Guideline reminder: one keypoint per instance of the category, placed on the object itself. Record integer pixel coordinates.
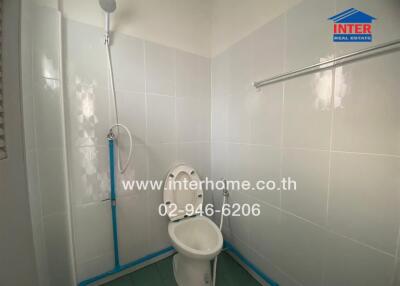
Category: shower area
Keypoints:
(179, 76)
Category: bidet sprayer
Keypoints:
(225, 192)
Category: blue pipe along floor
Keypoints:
(118, 267)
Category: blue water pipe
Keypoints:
(118, 267)
(123, 267)
(113, 198)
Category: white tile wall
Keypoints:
(264, 164)
(219, 119)
(312, 183)
(239, 119)
(384, 28)
(193, 119)
(128, 63)
(192, 75)
(51, 176)
(364, 199)
(44, 146)
(218, 155)
(133, 226)
(132, 110)
(90, 181)
(46, 53)
(267, 238)
(163, 96)
(336, 132)
(93, 241)
(270, 39)
(88, 105)
(57, 249)
(349, 263)
(137, 170)
(160, 69)
(99, 264)
(302, 250)
(197, 154)
(307, 111)
(366, 115)
(309, 33)
(161, 119)
(48, 103)
(84, 48)
(266, 107)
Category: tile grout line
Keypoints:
(325, 253)
(283, 91)
(212, 95)
(266, 258)
(366, 153)
(146, 136)
(309, 149)
(396, 260)
(176, 135)
(321, 226)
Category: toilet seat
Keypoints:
(178, 194)
(196, 237)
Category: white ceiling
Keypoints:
(204, 27)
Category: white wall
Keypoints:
(336, 132)
(17, 259)
(162, 67)
(163, 97)
(205, 27)
(44, 143)
(182, 24)
(232, 20)
(168, 88)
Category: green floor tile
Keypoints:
(165, 269)
(170, 282)
(124, 281)
(229, 273)
(148, 276)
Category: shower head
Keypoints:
(108, 6)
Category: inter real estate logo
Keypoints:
(352, 25)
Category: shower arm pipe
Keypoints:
(334, 61)
(107, 37)
(107, 23)
(107, 42)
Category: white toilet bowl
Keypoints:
(197, 239)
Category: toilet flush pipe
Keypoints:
(225, 195)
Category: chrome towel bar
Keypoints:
(332, 62)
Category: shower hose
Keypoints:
(121, 168)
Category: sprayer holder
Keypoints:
(111, 135)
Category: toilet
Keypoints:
(196, 238)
